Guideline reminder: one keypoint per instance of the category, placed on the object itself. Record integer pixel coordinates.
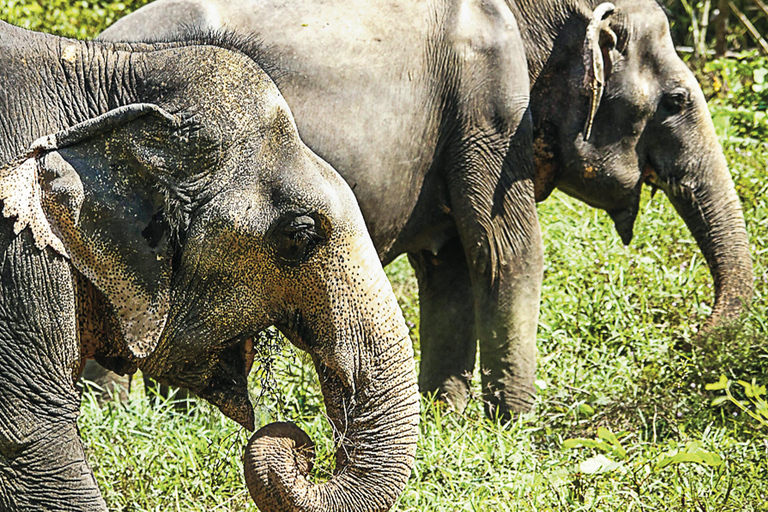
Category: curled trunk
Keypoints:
(376, 446)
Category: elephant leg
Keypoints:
(42, 461)
(49, 473)
(492, 201)
(448, 342)
(507, 315)
(109, 384)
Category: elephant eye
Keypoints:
(673, 102)
(295, 237)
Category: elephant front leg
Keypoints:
(48, 472)
(493, 204)
(42, 460)
(506, 319)
(447, 330)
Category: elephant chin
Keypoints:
(233, 402)
(228, 387)
(624, 221)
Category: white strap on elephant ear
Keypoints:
(21, 195)
(594, 67)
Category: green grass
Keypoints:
(624, 419)
(617, 350)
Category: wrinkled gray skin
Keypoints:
(168, 214)
(651, 127)
(422, 107)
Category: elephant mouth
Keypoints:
(624, 218)
(228, 386)
(652, 179)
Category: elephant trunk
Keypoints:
(374, 414)
(707, 202)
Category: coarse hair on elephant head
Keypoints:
(167, 232)
(635, 116)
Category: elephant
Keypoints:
(423, 108)
(613, 108)
(159, 210)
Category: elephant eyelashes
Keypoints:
(296, 237)
(672, 103)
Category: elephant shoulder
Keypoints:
(491, 71)
(164, 18)
(480, 27)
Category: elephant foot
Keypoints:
(453, 392)
(505, 404)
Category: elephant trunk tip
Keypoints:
(731, 300)
(278, 451)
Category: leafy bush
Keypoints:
(681, 14)
(79, 19)
(739, 96)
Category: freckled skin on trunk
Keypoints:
(370, 395)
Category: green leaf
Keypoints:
(747, 388)
(693, 452)
(721, 384)
(609, 437)
(578, 443)
(598, 464)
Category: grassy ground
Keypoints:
(624, 419)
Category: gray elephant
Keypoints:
(159, 211)
(614, 108)
(422, 107)
(409, 101)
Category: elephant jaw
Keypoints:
(228, 386)
(624, 222)
(624, 218)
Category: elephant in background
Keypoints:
(159, 211)
(423, 109)
(615, 108)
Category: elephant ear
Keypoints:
(598, 42)
(95, 193)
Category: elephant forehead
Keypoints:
(221, 85)
(255, 98)
(649, 29)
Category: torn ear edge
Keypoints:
(23, 197)
(598, 43)
(20, 190)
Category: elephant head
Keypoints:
(193, 223)
(635, 116)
